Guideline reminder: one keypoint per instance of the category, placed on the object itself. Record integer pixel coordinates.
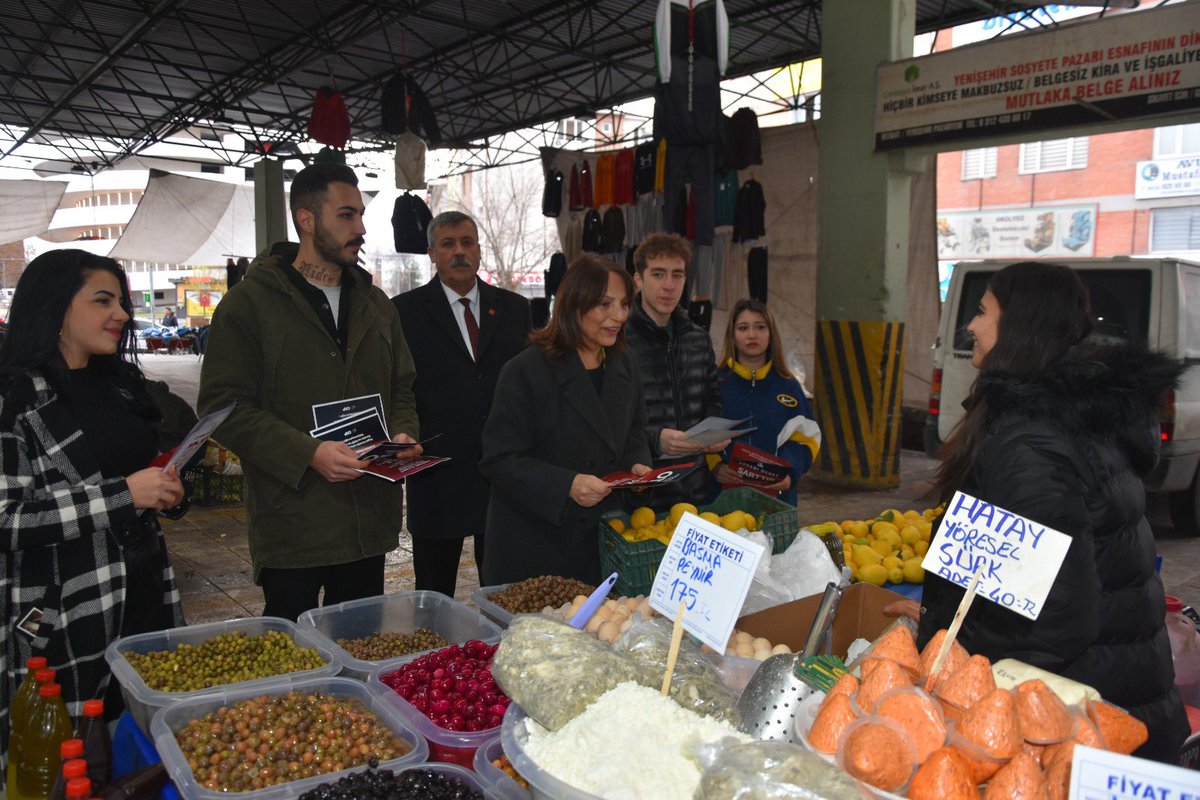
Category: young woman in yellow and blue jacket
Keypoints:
(756, 382)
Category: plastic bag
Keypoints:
(695, 684)
(770, 771)
(803, 569)
(553, 671)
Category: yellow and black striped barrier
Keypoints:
(859, 374)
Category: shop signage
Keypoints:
(1018, 558)
(1039, 232)
(1123, 66)
(709, 569)
(1167, 177)
(1102, 775)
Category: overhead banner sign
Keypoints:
(1045, 232)
(1167, 177)
(1125, 66)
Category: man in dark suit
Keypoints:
(461, 331)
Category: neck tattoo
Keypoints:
(325, 276)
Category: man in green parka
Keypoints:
(305, 327)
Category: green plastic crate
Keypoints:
(637, 562)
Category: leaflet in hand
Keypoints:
(359, 431)
(394, 468)
(326, 414)
(757, 467)
(714, 430)
(197, 436)
(655, 477)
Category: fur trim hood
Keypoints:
(1100, 387)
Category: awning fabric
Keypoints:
(26, 207)
(193, 221)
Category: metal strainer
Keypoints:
(768, 704)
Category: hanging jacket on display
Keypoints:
(743, 146)
(552, 194)
(554, 275)
(410, 220)
(613, 230)
(405, 108)
(593, 232)
(329, 123)
(749, 218)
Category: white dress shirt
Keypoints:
(456, 308)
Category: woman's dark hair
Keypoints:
(582, 289)
(44, 293)
(1044, 312)
(774, 347)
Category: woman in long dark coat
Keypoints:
(567, 410)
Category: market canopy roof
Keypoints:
(122, 75)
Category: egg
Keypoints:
(626, 625)
(633, 602)
(780, 649)
(594, 624)
(742, 636)
(731, 651)
(762, 644)
(610, 604)
(608, 632)
(745, 650)
(622, 611)
(762, 655)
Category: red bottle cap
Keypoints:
(36, 663)
(1174, 604)
(49, 690)
(93, 708)
(45, 675)
(79, 789)
(75, 768)
(71, 748)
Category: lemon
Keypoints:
(642, 517)
(874, 574)
(644, 533)
(880, 527)
(907, 552)
(887, 515)
(913, 571)
(859, 529)
(912, 514)
(895, 575)
(733, 521)
(921, 547)
(751, 521)
(883, 547)
(864, 555)
(617, 524)
(909, 535)
(862, 540)
(679, 509)
(715, 519)
(892, 562)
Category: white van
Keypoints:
(1152, 301)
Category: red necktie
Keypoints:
(472, 326)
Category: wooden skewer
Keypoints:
(673, 653)
(952, 633)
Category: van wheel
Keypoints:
(1185, 509)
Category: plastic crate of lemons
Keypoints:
(643, 525)
(887, 548)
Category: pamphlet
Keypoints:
(359, 431)
(714, 430)
(655, 477)
(328, 413)
(756, 467)
(395, 468)
(197, 436)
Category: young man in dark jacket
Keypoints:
(677, 364)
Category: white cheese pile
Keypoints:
(631, 744)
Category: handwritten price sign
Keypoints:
(710, 570)
(1019, 558)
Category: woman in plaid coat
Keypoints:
(82, 559)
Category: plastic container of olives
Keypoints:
(402, 613)
(497, 779)
(495, 613)
(168, 720)
(465, 776)
(143, 702)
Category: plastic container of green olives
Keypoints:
(143, 702)
(402, 613)
(168, 720)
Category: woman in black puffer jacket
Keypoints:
(1059, 429)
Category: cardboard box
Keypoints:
(860, 616)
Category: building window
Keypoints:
(212, 169)
(979, 163)
(1177, 140)
(1175, 229)
(1054, 155)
